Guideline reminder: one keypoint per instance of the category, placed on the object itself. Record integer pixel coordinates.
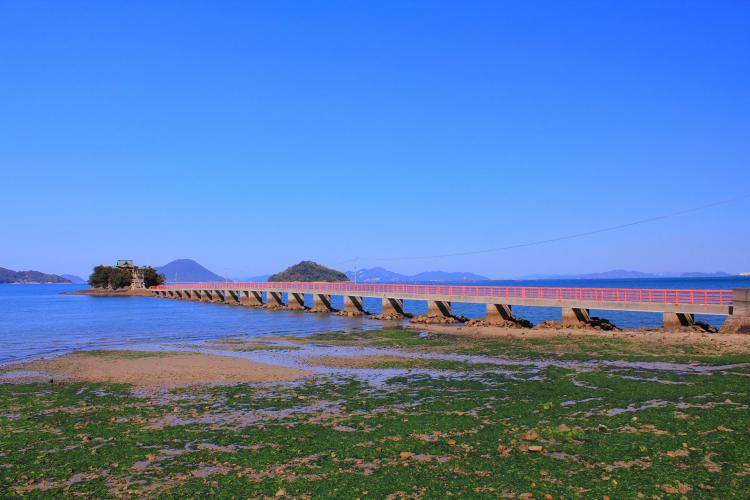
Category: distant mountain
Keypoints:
(447, 276)
(379, 274)
(376, 274)
(308, 270)
(29, 277)
(623, 274)
(705, 275)
(187, 271)
(256, 279)
(76, 280)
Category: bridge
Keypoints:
(678, 306)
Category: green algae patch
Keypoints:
(117, 354)
(622, 432)
(375, 338)
(547, 344)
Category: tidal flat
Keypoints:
(393, 414)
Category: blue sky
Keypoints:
(252, 135)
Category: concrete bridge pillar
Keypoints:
(393, 307)
(573, 316)
(231, 297)
(738, 320)
(251, 298)
(204, 295)
(273, 299)
(673, 321)
(217, 296)
(184, 294)
(295, 301)
(321, 303)
(438, 308)
(353, 305)
(498, 313)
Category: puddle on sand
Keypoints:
(513, 368)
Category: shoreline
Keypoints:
(98, 292)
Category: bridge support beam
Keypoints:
(674, 321)
(574, 316)
(353, 306)
(231, 297)
(438, 308)
(321, 303)
(499, 313)
(738, 320)
(205, 295)
(273, 299)
(393, 307)
(295, 301)
(251, 298)
(217, 296)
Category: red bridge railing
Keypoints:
(644, 295)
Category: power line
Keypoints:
(559, 238)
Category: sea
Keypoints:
(39, 321)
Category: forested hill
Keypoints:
(28, 277)
(308, 271)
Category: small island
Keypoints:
(308, 270)
(122, 279)
(30, 277)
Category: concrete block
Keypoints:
(295, 301)
(499, 313)
(674, 321)
(393, 307)
(353, 305)
(273, 299)
(251, 298)
(231, 297)
(322, 302)
(438, 308)
(573, 316)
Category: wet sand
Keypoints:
(359, 361)
(162, 369)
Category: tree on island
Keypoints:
(308, 270)
(114, 278)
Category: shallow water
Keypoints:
(36, 320)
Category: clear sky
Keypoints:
(252, 135)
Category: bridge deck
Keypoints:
(626, 299)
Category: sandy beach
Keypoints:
(147, 369)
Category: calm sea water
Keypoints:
(36, 320)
